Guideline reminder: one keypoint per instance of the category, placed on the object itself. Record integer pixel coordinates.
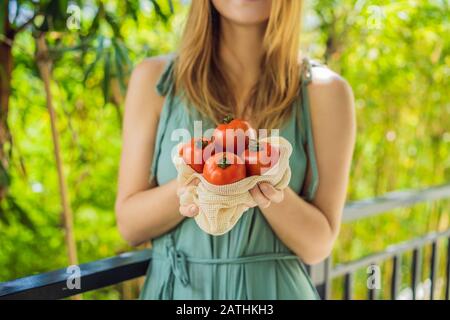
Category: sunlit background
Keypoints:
(396, 56)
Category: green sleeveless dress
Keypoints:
(250, 261)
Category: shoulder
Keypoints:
(331, 97)
(150, 69)
(326, 85)
(143, 80)
(330, 86)
(332, 104)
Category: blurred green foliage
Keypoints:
(395, 55)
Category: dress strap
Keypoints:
(165, 82)
(306, 76)
(164, 87)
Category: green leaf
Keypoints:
(112, 21)
(3, 217)
(124, 53)
(99, 54)
(4, 176)
(96, 22)
(132, 8)
(158, 10)
(55, 15)
(3, 16)
(172, 11)
(119, 66)
(18, 6)
(20, 213)
(62, 5)
(106, 77)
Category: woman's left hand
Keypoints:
(264, 194)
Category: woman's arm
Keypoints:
(143, 211)
(310, 229)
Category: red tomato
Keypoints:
(260, 157)
(232, 135)
(196, 152)
(224, 168)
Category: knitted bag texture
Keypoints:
(221, 206)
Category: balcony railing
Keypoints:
(106, 272)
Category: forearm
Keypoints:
(148, 214)
(302, 227)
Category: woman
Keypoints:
(237, 57)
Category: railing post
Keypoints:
(327, 276)
(433, 268)
(321, 277)
(371, 293)
(447, 286)
(371, 290)
(348, 286)
(316, 272)
(396, 276)
(416, 271)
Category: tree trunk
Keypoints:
(6, 66)
(45, 65)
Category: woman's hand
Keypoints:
(189, 210)
(264, 194)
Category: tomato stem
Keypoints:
(228, 119)
(223, 163)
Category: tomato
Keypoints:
(232, 135)
(260, 157)
(224, 168)
(196, 152)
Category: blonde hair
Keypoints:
(198, 71)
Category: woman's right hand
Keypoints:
(189, 210)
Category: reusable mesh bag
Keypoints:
(220, 207)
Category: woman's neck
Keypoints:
(240, 51)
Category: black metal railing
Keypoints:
(366, 208)
(130, 265)
(395, 254)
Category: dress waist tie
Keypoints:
(178, 262)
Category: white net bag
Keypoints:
(221, 206)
